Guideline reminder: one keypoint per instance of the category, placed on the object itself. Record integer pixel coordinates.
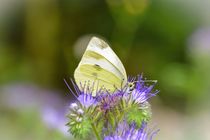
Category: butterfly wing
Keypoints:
(101, 67)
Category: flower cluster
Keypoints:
(121, 115)
(129, 132)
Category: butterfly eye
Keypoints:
(131, 86)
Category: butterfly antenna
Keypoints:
(69, 88)
(145, 81)
(151, 81)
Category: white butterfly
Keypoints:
(101, 66)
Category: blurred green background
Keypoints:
(41, 43)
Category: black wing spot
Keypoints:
(97, 67)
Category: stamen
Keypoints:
(75, 87)
(69, 88)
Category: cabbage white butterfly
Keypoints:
(101, 66)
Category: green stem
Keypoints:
(96, 132)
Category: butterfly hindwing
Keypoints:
(95, 79)
(102, 48)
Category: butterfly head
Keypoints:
(130, 86)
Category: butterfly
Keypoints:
(102, 67)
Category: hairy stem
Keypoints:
(95, 132)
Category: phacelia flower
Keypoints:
(135, 102)
(80, 122)
(87, 100)
(131, 132)
(141, 92)
(108, 101)
(104, 113)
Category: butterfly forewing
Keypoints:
(101, 47)
(100, 63)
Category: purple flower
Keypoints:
(142, 92)
(131, 132)
(108, 101)
(46, 103)
(54, 118)
(104, 111)
(86, 100)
